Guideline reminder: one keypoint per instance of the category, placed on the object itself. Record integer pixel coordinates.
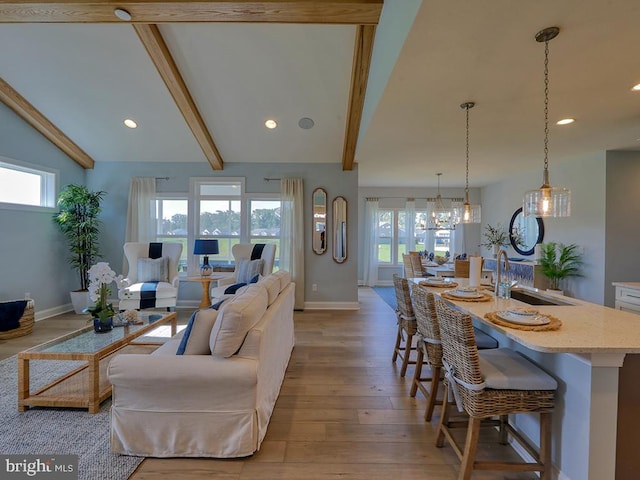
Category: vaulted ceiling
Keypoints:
(201, 78)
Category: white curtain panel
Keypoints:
(292, 234)
(371, 242)
(141, 212)
(410, 224)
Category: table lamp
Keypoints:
(206, 248)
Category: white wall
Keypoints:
(585, 227)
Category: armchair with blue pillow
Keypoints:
(253, 261)
(152, 279)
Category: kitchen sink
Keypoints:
(536, 298)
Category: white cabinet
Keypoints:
(628, 296)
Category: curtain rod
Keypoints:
(270, 179)
(162, 178)
(429, 199)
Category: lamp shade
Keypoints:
(206, 247)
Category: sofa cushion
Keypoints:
(153, 269)
(284, 277)
(272, 284)
(236, 317)
(195, 340)
(249, 269)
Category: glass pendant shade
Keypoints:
(547, 202)
(470, 213)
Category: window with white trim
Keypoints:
(172, 217)
(27, 185)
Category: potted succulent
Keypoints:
(78, 221)
(558, 261)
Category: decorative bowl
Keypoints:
(440, 260)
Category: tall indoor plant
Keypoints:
(558, 261)
(78, 221)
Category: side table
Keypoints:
(206, 282)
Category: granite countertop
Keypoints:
(586, 327)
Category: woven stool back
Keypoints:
(416, 266)
(406, 316)
(424, 307)
(408, 266)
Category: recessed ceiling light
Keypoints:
(271, 124)
(565, 121)
(122, 14)
(636, 88)
(130, 123)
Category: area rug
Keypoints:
(388, 294)
(58, 431)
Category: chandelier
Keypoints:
(470, 213)
(442, 217)
(547, 201)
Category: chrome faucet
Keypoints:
(501, 253)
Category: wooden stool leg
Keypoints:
(444, 417)
(545, 445)
(433, 393)
(417, 372)
(504, 420)
(407, 354)
(470, 449)
(397, 347)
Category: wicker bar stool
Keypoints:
(406, 323)
(491, 383)
(429, 346)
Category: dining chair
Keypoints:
(491, 383)
(408, 266)
(461, 268)
(406, 324)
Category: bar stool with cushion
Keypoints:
(429, 346)
(406, 323)
(491, 383)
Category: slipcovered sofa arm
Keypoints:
(227, 280)
(182, 382)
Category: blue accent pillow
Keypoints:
(216, 306)
(187, 332)
(233, 288)
(255, 278)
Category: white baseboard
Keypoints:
(331, 306)
(556, 473)
(52, 312)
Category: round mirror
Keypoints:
(525, 232)
(319, 233)
(339, 229)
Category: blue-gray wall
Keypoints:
(33, 252)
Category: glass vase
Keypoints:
(102, 326)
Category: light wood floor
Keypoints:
(343, 411)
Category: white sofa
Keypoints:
(210, 404)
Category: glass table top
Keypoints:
(86, 340)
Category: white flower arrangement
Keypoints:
(100, 277)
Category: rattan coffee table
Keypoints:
(85, 386)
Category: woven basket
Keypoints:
(26, 323)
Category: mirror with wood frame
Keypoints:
(339, 229)
(319, 222)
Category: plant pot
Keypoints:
(496, 249)
(80, 301)
(102, 327)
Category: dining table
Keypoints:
(594, 354)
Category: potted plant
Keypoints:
(558, 261)
(495, 237)
(78, 221)
(101, 277)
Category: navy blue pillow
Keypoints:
(233, 288)
(216, 306)
(255, 278)
(185, 338)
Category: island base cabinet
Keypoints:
(628, 433)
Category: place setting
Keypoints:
(467, 294)
(524, 319)
(438, 282)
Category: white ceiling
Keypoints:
(86, 78)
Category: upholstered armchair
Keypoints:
(152, 279)
(250, 259)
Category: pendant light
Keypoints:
(442, 218)
(547, 201)
(470, 213)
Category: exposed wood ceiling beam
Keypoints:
(159, 52)
(359, 76)
(356, 12)
(37, 120)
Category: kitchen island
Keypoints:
(594, 358)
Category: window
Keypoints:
(264, 222)
(172, 223)
(22, 184)
(393, 236)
